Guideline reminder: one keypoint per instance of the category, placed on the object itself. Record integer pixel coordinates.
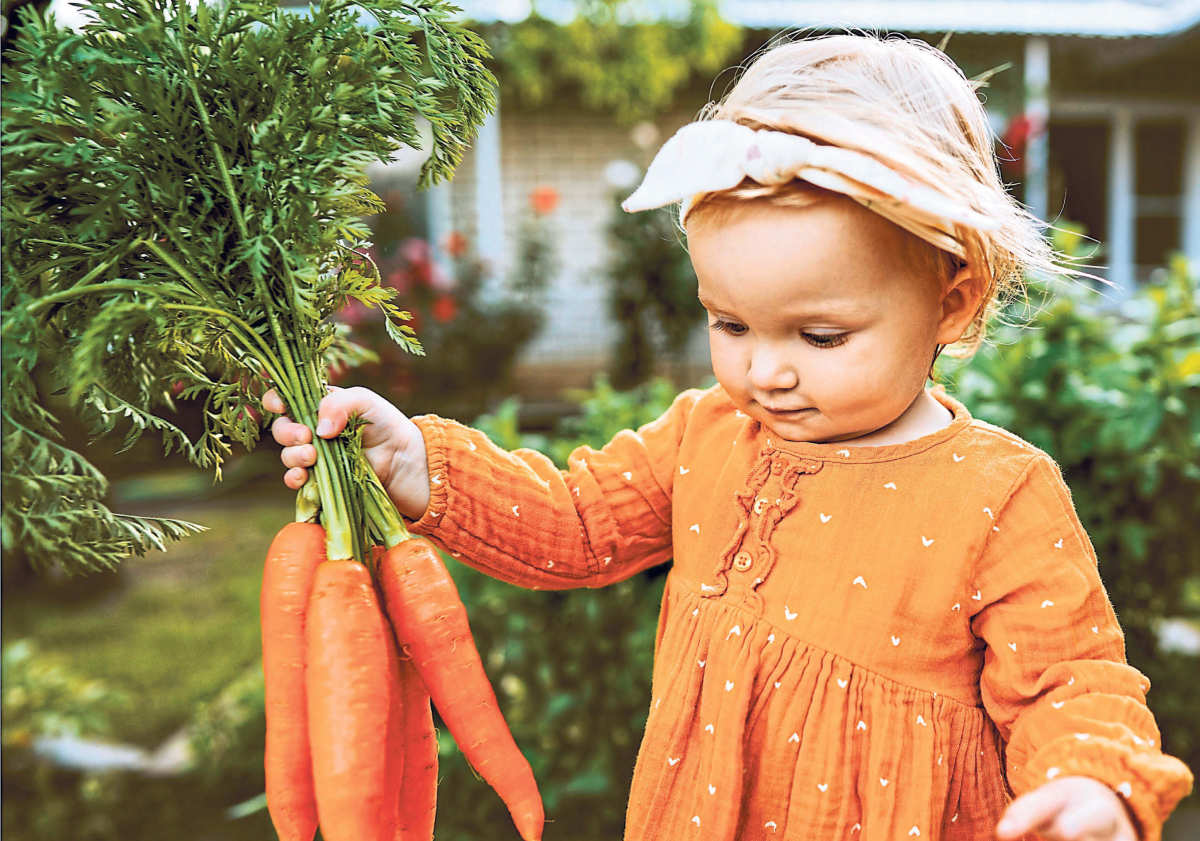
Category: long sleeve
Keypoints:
(1055, 680)
(517, 517)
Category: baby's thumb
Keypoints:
(340, 405)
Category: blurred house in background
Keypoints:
(1100, 111)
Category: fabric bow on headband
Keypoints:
(713, 155)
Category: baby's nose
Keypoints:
(771, 369)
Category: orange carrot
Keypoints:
(348, 679)
(395, 741)
(287, 580)
(431, 625)
(418, 804)
(395, 775)
(417, 784)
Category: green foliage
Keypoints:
(181, 637)
(604, 411)
(171, 632)
(41, 698)
(181, 202)
(572, 674)
(228, 733)
(612, 57)
(44, 699)
(652, 295)
(1114, 398)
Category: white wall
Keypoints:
(569, 154)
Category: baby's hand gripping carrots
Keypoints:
(352, 681)
(287, 580)
(431, 625)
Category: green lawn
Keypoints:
(179, 625)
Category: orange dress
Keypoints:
(868, 643)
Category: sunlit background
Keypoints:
(133, 700)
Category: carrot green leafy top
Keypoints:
(182, 193)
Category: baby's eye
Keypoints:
(825, 340)
(730, 327)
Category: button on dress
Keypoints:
(869, 643)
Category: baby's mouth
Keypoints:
(785, 412)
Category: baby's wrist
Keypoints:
(409, 481)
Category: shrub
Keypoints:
(652, 294)
(472, 330)
(43, 699)
(228, 735)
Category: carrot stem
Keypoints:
(308, 502)
(383, 514)
(343, 541)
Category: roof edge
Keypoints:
(1080, 18)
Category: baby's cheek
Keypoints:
(728, 365)
(859, 383)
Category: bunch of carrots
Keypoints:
(201, 263)
(352, 657)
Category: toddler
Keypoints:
(884, 620)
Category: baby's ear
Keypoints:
(962, 300)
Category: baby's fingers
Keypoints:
(298, 458)
(1087, 823)
(304, 455)
(288, 433)
(273, 403)
(1032, 812)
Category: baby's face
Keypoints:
(821, 327)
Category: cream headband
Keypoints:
(713, 155)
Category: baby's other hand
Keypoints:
(392, 444)
(1072, 808)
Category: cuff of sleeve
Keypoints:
(1149, 782)
(433, 430)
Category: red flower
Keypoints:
(445, 308)
(415, 250)
(1016, 140)
(544, 200)
(456, 244)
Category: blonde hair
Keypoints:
(907, 105)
